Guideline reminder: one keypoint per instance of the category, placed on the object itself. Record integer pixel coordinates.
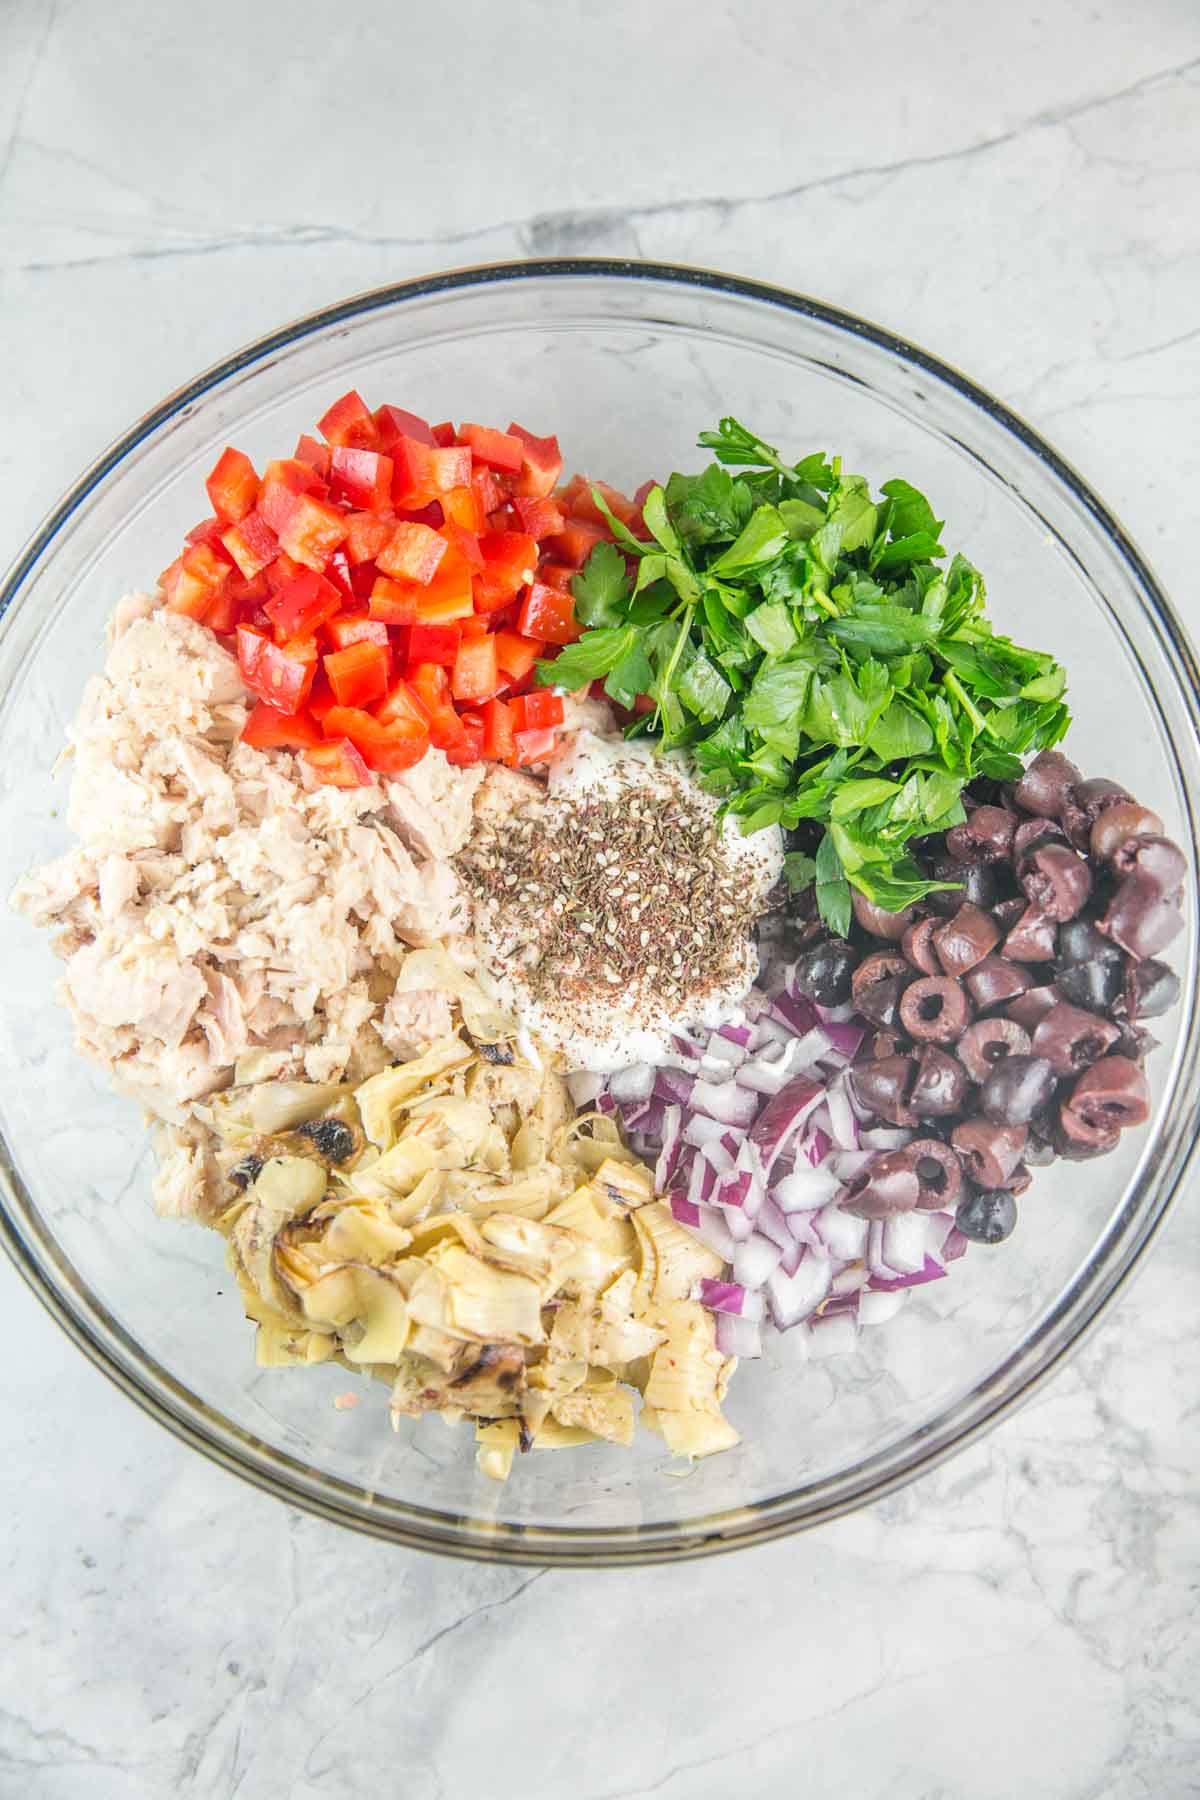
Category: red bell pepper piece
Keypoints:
(281, 571)
(412, 477)
(556, 574)
(465, 543)
(195, 580)
(393, 423)
(461, 507)
(475, 676)
(281, 677)
(548, 613)
(393, 602)
(471, 748)
(412, 553)
(450, 595)
(386, 748)
(541, 464)
(516, 655)
(359, 674)
(510, 559)
(536, 711)
(267, 728)
(252, 544)
(356, 628)
(311, 451)
(449, 468)
(281, 483)
(302, 606)
(575, 542)
(444, 434)
(487, 490)
(312, 531)
(431, 686)
(533, 747)
(209, 531)
(434, 644)
(349, 422)
(337, 763)
(402, 702)
(540, 518)
(497, 449)
(497, 730)
(363, 477)
(366, 534)
(232, 486)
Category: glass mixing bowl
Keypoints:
(627, 362)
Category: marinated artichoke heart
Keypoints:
(451, 1227)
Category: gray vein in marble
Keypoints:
(31, 75)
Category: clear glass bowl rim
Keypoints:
(36, 1257)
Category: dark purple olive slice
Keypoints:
(1125, 820)
(879, 922)
(975, 885)
(881, 1088)
(987, 1215)
(939, 1172)
(917, 945)
(877, 984)
(1032, 834)
(822, 973)
(1079, 1141)
(1157, 859)
(1046, 783)
(889, 1185)
(1086, 802)
(1111, 1095)
(939, 1088)
(965, 939)
(935, 1010)
(989, 1152)
(987, 1043)
(1093, 985)
(995, 981)
(1071, 1039)
(1140, 919)
(1079, 941)
(1032, 938)
(986, 837)
(1027, 1009)
(1056, 880)
(1151, 989)
(1017, 1088)
(1007, 912)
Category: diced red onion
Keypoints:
(685, 1212)
(699, 1130)
(716, 1153)
(793, 1297)
(801, 1226)
(736, 1188)
(783, 1116)
(771, 1223)
(843, 1235)
(605, 1103)
(632, 1116)
(725, 1101)
(837, 1336)
(877, 1306)
(884, 1137)
(849, 1280)
(738, 1337)
(843, 1126)
(738, 1223)
(834, 1015)
(875, 1258)
(736, 1034)
(845, 1038)
(754, 1260)
(702, 1183)
(846, 1164)
(932, 1271)
(938, 1225)
(672, 1144)
(770, 1031)
(816, 1145)
(804, 1189)
(797, 1016)
(730, 1297)
(956, 1245)
(628, 1086)
(793, 1255)
(725, 1053)
(673, 1086)
(905, 1237)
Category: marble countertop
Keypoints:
(1016, 188)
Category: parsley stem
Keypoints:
(951, 681)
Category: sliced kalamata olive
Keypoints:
(1071, 1039)
(881, 1087)
(989, 1152)
(1032, 939)
(1112, 1094)
(822, 972)
(917, 945)
(965, 939)
(877, 984)
(1056, 880)
(1124, 820)
(986, 837)
(1092, 985)
(939, 1088)
(1032, 833)
(975, 884)
(987, 1215)
(993, 981)
(1136, 1044)
(987, 1043)
(1140, 918)
(1086, 802)
(1027, 1009)
(1156, 858)
(1079, 1141)
(1046, 783)
(1039, 1152)
(1007, 912)
(1079, 941)
(1151, 989)
(939, 1172)
(1016, 1089)
(883, 1043)
(935, 1010)
(879, 922)
(889, 1185)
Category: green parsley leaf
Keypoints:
(833, 890)
(601, 587)
(771, 628)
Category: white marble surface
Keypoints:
(1019, 189)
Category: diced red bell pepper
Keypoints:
(516, 655)
(302, 607)
(349, 422)
(252, 544)
(388, 749)
(311, 451)
(363, 477)
(475, 625)
(497, 449)
(449, 468)
(392, 423)
(226, 612)
(356, 628)
(475, 676)
(510, 559)
(268, 729)
(412, 477)
(394, 602)
(450, 595)
(412, 553)
(577, 500)
(497, 730)
(434, 644)
(536, 711)
(533, 747)
(209, 531)
(232, 486)
(471, 749)
(359, 674)
(339, 572)
(548, 613)
(320, 697)
(461, 507)
(575, 542)
(281, 677)
(312, 531)
(281, 483)
(444, 434)
(541, 464)
(431, 685)
(540, 518)
(402, 702)
(281, 571)
(338, 764)
(195, 580)
(465, 543)
(366, 534)
(556, 574)
(487, 491)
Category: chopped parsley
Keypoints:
(817, 654)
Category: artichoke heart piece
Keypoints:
(367, 1307)
(582, 1329)
(458, 1132)
(468, 1297)
(396, 1173)
(497, 1444)
(286, 1188)
(381, 1097)
(690, 1434)
(598, 1406)
(629, 1184)
(680, 1260)
(279, 1344)
(359, 1231)
(591, 1214)
(687, 1368)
